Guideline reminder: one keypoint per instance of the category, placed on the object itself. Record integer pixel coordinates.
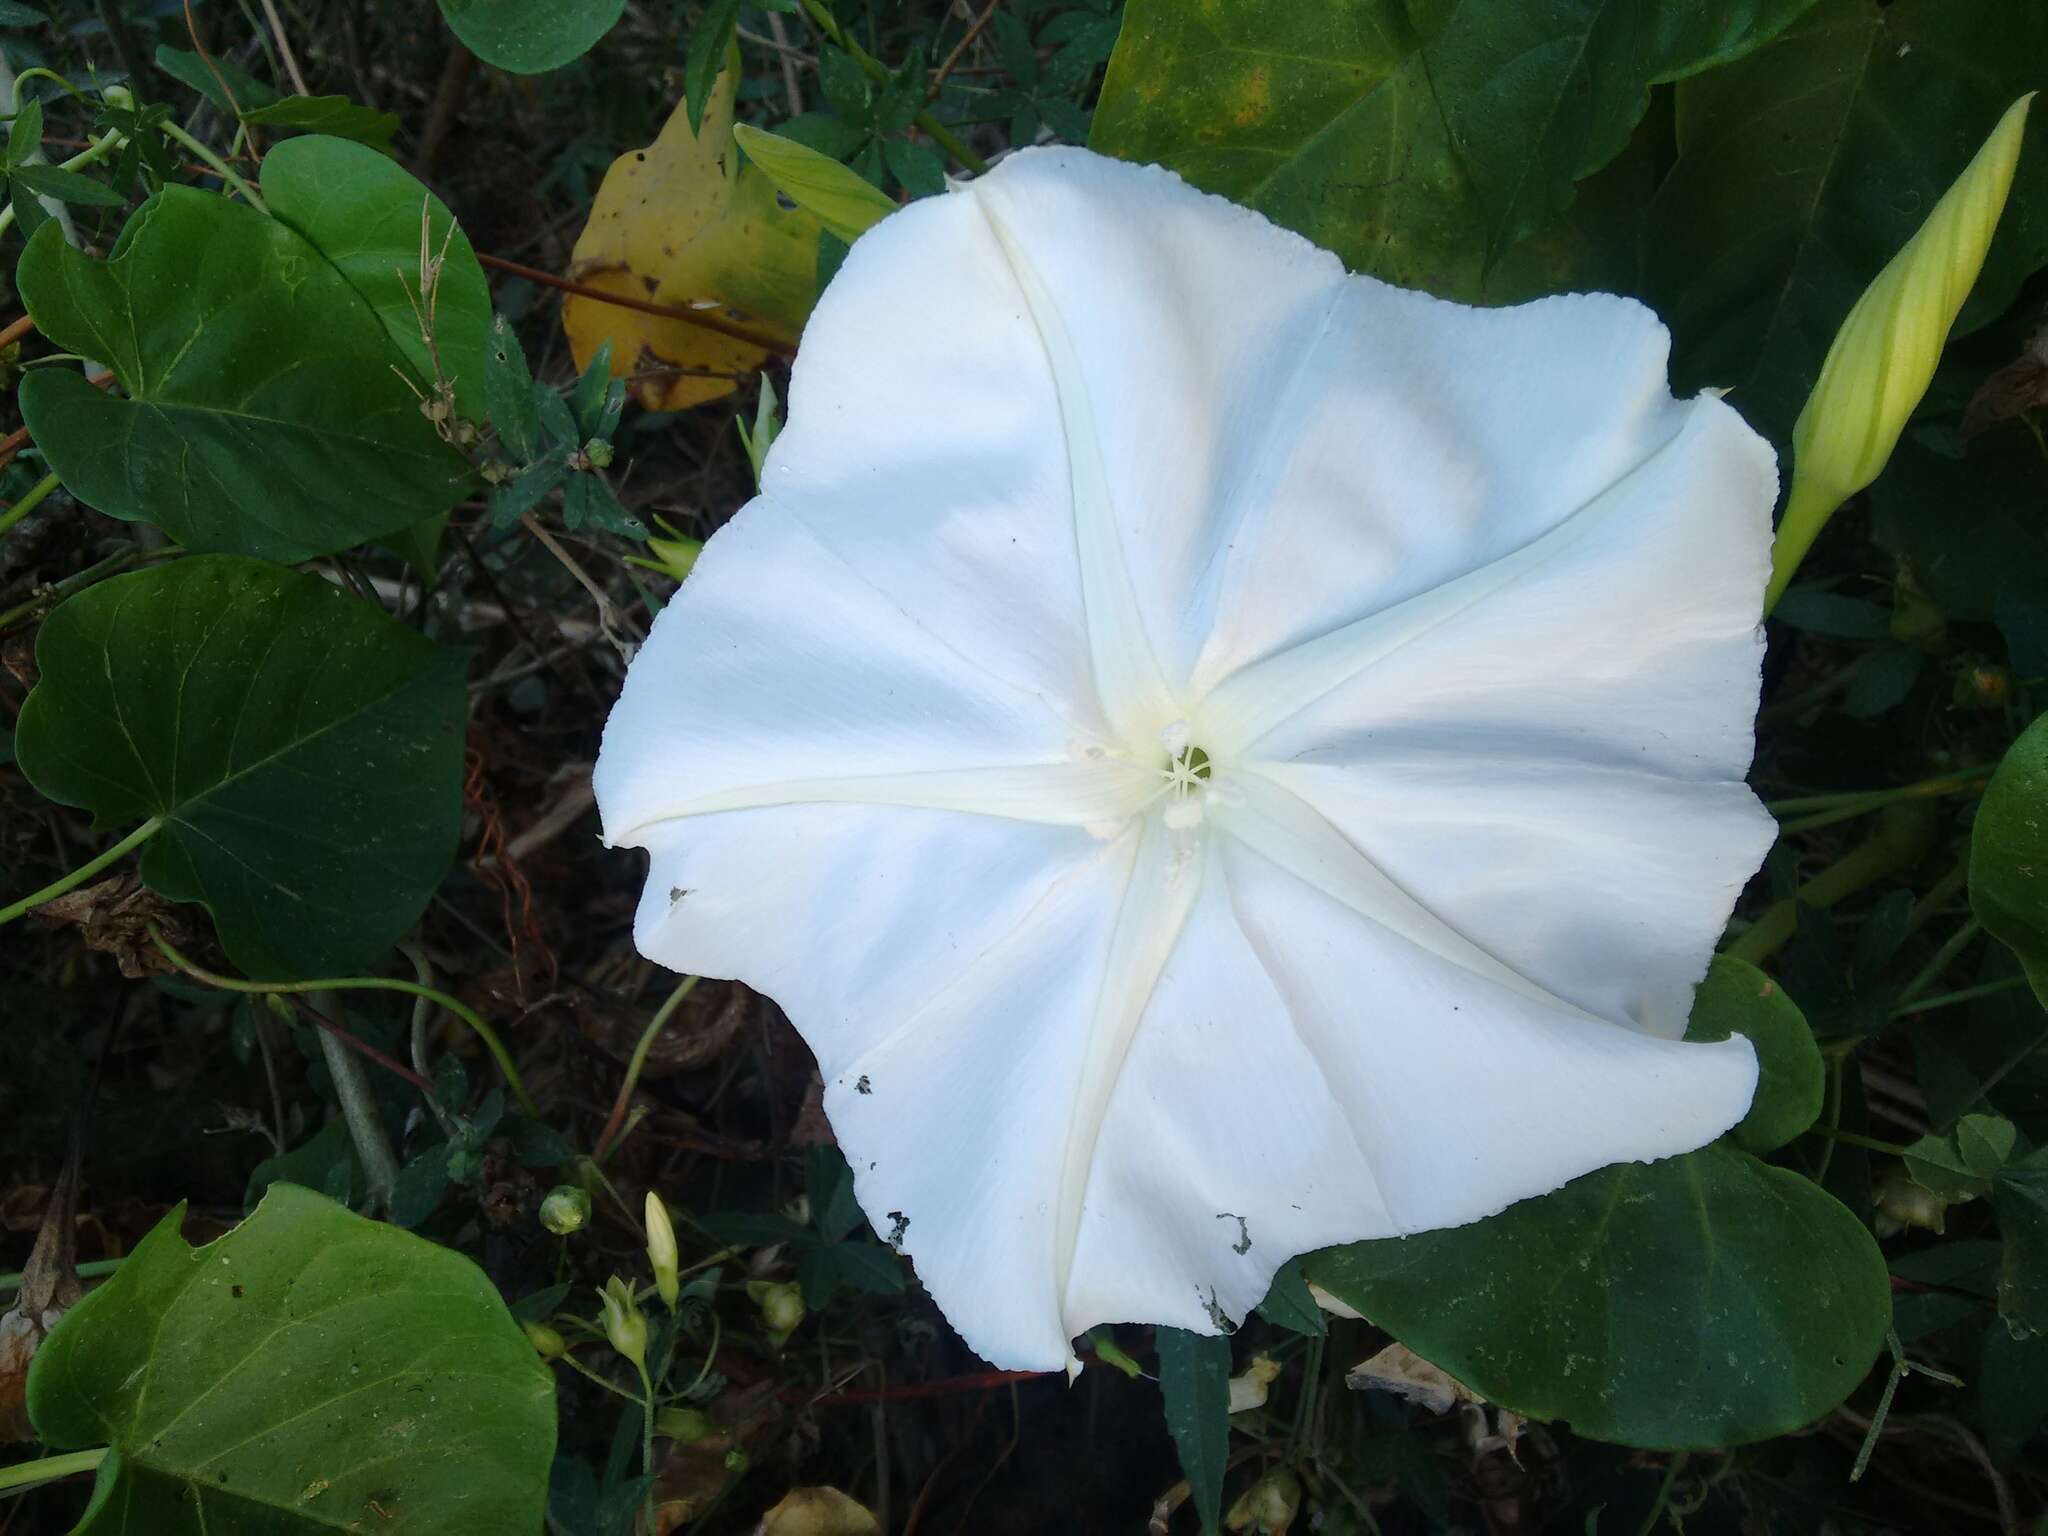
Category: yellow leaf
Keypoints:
(687, 225)
(818, 1512)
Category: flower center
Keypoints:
(1186, 774)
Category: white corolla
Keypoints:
(1217, 756)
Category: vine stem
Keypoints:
(456, 1006)
(91, 1270)
(1899, 841)
(214, 163)
(28, 1474)
(84, 872)
(877, 71)
(703, 319)
(639, 1060)
(38, 494)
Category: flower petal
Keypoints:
(1559, 765)
(947, 970)
(1463, 1099)
(781, 676)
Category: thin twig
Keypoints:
(284, 47)
(959, 49)
(697, 317)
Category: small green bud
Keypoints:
(546, 1341)
(661, 1251)
(624, 1323)
(119, 97)
(686, 1426)
(566, 1209)
(781, 1305)
(599, 453)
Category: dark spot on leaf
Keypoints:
(237, 1292)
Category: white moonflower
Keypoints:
(1217, 756)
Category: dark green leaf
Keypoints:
(303, 749)
(1883, 680)
(335, 116)
(25, 135)
(1959, 1166)
(1705, 1300)
(536, 1144)
(1194, 1378)
(1289, 1305)
(828, 1186)
(2009, 855)
(755, 1230)
(263, 413)
(67, 186)
(309, 1164)
(29, 213)
(1417, 142)
(1805, 167)
(286, 1376)
(206, 76)
(370, 219)
(420, 1185)
(2020, 1199)
(529, 37)
(1738, 999)
(508, 387)
(1831, 613)
(845, 84)
(710, 41)
(13, 14)
(867, 1267)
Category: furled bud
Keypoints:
(566, 1209)
(624, 1323)
(661, 1251)
(546, 1342)
(1883, 357)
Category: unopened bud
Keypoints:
(566, 1209)
(781, 1305)
(661, 1251)
(546, 1341)
(1883, 357)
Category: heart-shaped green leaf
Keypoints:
(1417, 142)
(1804, 168)
(309, 1372)
(1738, 999)
(530, 36)
(2009, 854)
(264, 413)
(1705, 1300)
(368, 217)
(303, 750)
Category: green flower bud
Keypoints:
(566, 1209)
(599, 453)
(546, 1341)
(1883, 357)
(781, 1305)
(624, 1324)
(661, 1250)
